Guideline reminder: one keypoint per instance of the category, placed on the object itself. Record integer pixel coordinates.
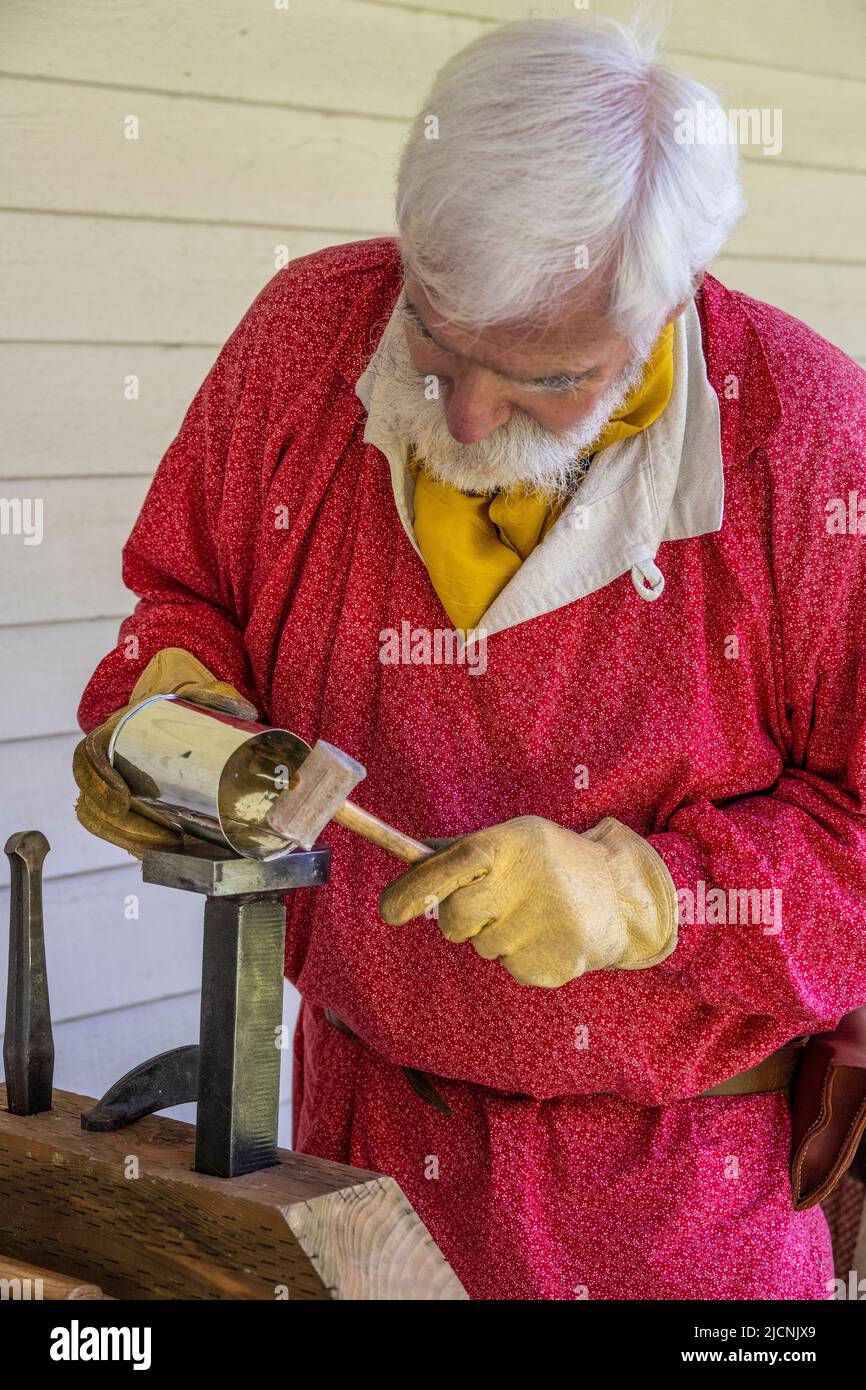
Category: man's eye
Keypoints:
(421, 332)
(429, 343)
(555, 383)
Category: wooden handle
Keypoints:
(382, 834)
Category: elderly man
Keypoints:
(535, 421)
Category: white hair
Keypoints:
(543, 160)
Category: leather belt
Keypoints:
(774, 1073)
(418, 1080)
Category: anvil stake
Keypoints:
(28, 1047)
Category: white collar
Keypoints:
(638, 492)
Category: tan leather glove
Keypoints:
(103, 804)
(550, 904)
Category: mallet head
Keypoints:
(315, 793)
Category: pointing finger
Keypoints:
(434, 879)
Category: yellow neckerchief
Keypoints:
(473, 545)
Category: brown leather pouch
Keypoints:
(828, 1111)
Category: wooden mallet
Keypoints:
(317, 794)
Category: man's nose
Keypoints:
(474, 409)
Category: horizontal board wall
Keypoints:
(73, 409)
(52, 662)
(320, 54)
(116, 281)
(799, 35)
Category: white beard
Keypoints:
(519, 453)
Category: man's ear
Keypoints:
(683, 305)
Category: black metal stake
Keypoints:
(28, 1044)
(234, 1071)
(241, 1018)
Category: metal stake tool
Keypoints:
(234, 1072)
(28, 1044)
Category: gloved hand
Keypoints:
(103, 804)
(176, 672)
(549, 903)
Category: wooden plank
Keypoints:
(217, 161)
(116, 281)
(314, 53)
(320, 55)
(100, 957)
(51, 663)
(809, 214)
(39, 793)
(305, 1228)
(66, 411)
(207, 160)
(827, 297)
(793, 34)
(821, 116)
(74, 572)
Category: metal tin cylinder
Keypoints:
(206, 773)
